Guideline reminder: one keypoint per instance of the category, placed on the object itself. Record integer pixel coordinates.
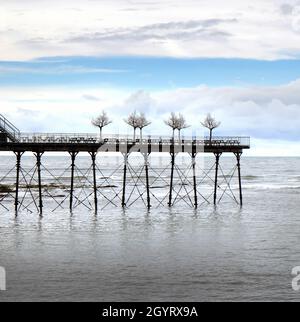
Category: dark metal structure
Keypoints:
(139, 182)
(8, 130)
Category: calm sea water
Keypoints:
(179, 254)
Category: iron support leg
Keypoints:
(147, 180)
(195, 180)
(217, 155)
(73, 157)
(171, 179)
(38, 165)
(124, 180)
(238, 158)
(93, 155)
(18, 168)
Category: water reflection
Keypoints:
(210, 253)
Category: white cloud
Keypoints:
(91, 97)
(270, 115)
(262, 29)
(286, 9)
(57, 109)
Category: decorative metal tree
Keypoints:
(133, 121)
(142, 123)
(181, 125)
(173, 122)
(101, 121)
(211, 124)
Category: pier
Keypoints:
(139, 182)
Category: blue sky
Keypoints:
(240, 62)
(149, 73)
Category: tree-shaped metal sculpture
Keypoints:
(133, 121)
(101, 121)
(172, 121)
(211, 124)
(142, 123)
(181, 125)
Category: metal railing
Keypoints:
(83, 138)
(9, 129)
(59, 138)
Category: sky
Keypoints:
(63, 62)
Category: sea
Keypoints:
(221, 252)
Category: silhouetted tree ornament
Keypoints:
(142, 123)
(181, 125)
(176, 123)
(211, 124)
(172, 121)
(133, 121)
(101, 121)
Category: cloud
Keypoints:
(57, 70)
(91, 98)
(262, 112)
(139, 101)
(266, 113)
(260, 29)
(269, 114)
(184, 30)
(23, 112)
(286, 9)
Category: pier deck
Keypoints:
(139, 184)
(91, 143)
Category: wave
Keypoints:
(250, 177)
(270, 186)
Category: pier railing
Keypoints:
(9, 129)
(84, 138)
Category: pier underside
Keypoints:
(122, 173)
(123, 148)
